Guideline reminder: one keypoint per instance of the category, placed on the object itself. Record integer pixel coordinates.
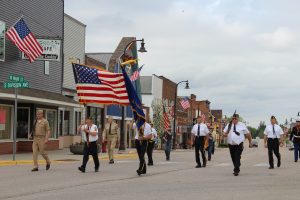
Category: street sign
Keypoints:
(15, 78)
(16, 85)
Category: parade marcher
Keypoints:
(211, 143)
(41, 134)
(90, 145)
(295, 138)
(273, 138)
(235, 132)
(141, 142)
(200, 134)
(167, 139)
(151, 144)
(111, 135)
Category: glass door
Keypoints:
(23, 123)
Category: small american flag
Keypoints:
(23, 38)
(166, 119)
(185, 103)
(136, 74)
(96, 86)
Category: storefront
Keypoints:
(29, 101)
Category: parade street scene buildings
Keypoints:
(149, 99)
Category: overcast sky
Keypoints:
(238, 54)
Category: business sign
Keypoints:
(2, 40)
(52, 50)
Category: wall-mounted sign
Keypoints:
(2, 40)
(52, 50)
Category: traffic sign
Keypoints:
(16, 85)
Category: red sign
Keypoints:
(2, 116)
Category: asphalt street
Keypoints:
(175, 179)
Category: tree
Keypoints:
(253, 131)
(260, 130)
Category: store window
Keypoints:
(77, 120)
(23, 123)
(5, 122)
(67, 123)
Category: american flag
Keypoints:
(96, 86)
(185, 103)
(136, 74)
(23, 38)
(166, 119)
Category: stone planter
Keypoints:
(77, 149)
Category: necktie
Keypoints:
(234, 130)
(109, 132)
(198, 133)
(273, 130)
(87, 136)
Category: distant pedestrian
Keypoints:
(141, 142)
(41, 134)
(151, 144)
(295, 138)
(211, 144)
(167, 139)
(235, 132)
(273, 138)
(200, 134)
(90, 145)
(111, 135)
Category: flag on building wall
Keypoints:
(136, 74)
(136, 105)
(185, 103)
(98, 86)
(166, 119)
(23, 38)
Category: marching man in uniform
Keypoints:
(273, 138)
(141, 142)
(111, 135)
(235, 132)
(151, 144)
(200, 134)
(90, 145)
(295, 138)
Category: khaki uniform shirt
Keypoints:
(114, 131)
(41, 127)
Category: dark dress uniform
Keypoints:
(295, 137)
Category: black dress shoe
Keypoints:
(47, 166)
(278, 163)
(96, 170)
(35, 169)
(111, 162)
(198, 166)
(138, 172)
(204, 164)
(81, 169)
(150, 164)
(271, 167)
(235, 173)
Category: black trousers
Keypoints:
(199, 146)
(235, 153)
(90, 149)
(141, 147)
(150, 151)
(273, 146)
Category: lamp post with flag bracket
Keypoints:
(122, 128)
(175, 102)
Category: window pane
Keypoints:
(5, 122)
(23, 126)
(67, 123)
(51, 117)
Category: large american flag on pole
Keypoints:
(23, 38)
(97, 86)
(185, 103)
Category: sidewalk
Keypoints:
(60, 156)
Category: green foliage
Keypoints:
(253, 131)
(260, 130)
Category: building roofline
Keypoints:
(76, 20)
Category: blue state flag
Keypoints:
(136, 105)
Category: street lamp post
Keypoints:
(122, 128)
(175, 102)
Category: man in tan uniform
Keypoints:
(41, 133)
(111, 135)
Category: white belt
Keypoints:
(296, 136)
